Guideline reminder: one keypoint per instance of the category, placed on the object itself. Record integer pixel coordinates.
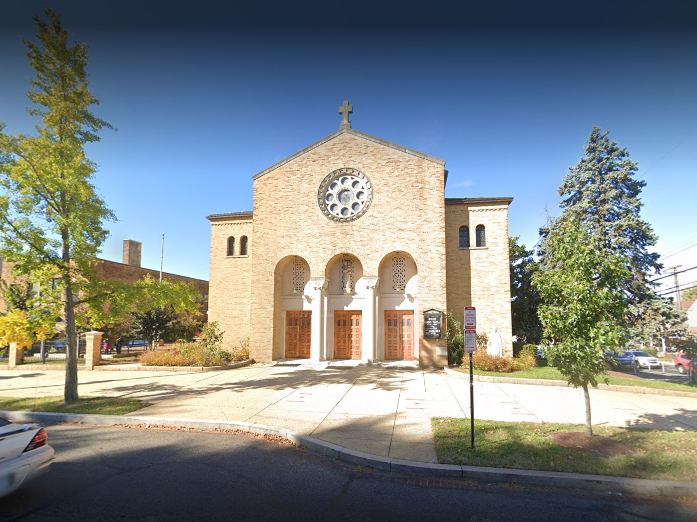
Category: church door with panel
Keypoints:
(399, 335)
(298, 334)
(347, 335)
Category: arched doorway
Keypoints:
(398, 324)
(295, 313)
(345, 307)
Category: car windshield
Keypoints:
(640, 354)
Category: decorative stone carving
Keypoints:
(347, 280)
(298, 276)
(399, 273)
(344, 195)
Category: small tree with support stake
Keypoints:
(584, 307)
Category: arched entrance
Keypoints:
(345, 307)
(293, 276)
(398, 308)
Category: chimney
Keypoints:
(131, 252)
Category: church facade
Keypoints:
(353, 252)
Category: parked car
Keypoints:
(621, 360)
(24, 454)
(643, 359)
(683, 363)
(133, 343)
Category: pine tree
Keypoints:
(525, 299)
(50, 215)
(602, 193)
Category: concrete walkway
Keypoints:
(380, 409)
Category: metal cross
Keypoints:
(345, 110)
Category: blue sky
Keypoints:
(204, 96)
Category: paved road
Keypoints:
(110, 474)
(381, 410)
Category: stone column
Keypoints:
(16, 355)
(317, 298)
(370, 330)
(93, 349)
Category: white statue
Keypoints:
(494, 346)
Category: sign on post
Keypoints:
(470, 348)
(470, 342)
(470, 318)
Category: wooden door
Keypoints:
(399, 335)
(347, 335)
(298, 334)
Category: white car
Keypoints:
(24, 454)
(643, 359)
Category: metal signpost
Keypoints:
(470, 348)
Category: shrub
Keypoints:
(492, 363)
(192, 354)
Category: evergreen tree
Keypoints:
(602, 193)
(50, 214)
(525, 299)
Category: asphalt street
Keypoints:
(112, 473)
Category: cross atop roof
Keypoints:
(345, 110)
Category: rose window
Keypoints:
(344, 195)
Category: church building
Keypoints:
(352, 251)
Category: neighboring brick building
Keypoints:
(352, 251)
(129, 271)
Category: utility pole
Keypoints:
(162, 255)
(677, 285)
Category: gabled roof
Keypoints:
(354, 133)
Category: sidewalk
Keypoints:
(382, 410)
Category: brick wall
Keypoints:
(406, 214)
(480, 277)
(230, 277)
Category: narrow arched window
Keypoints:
(481, 236)
(464, 237)
(243, 246)
(231, 246)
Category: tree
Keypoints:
(50, 214)
(584, 305)
(152, 324)
(689, 294)
(602, 193)
(525, 299)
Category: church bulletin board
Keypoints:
(433, 322)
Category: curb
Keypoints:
(597, 483)
(550, 382)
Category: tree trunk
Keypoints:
(587, 398)
(71, 353)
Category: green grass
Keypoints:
(94, 405)
(548, 372)
(658, 455)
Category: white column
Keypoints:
(317, 298)
(370, 330)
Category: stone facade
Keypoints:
(379, 258)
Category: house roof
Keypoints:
(353, 133)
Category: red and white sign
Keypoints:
(470, 342)
(470, 318)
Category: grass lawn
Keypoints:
(96, 405)
(614, 451)
(548, 372)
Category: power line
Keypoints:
(673, 273)
(684, 286)
(679, 251)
